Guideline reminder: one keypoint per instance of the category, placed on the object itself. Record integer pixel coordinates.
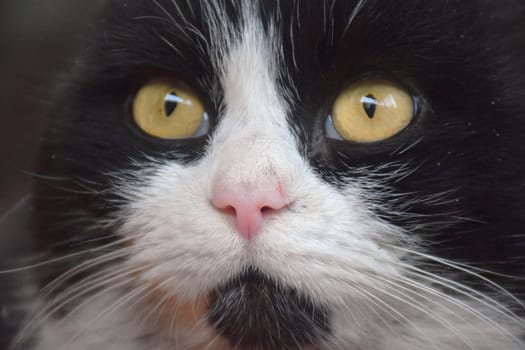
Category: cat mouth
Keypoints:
(253, 311)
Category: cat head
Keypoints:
(306, 171)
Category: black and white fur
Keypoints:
(415, 242)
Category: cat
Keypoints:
(321, 174)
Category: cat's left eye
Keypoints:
(370, 111)
(167, 109)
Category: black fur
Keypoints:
(254, 312)
(16, 289)
(465, 61)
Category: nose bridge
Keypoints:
(255, 159)
(253, 138)
(251, 179)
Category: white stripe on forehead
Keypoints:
(253, 145)
(249, 77)
(248, 61)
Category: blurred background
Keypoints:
(38, 39)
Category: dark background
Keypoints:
(38, 40)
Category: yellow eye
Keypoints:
(169, 110)
(372, 111)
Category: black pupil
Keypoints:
(369, 105)
(170, 103)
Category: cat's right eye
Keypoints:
(167, 109)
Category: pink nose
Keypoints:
(249, 207)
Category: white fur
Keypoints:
(328, 244)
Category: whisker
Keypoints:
(14, 208)
(494, 305)
(401, 316)
(502, 310)
(97, 280)
(158, 305)
(66, 257)
(96, 295)
(469, 292)
(376, 313)
(44, 263)
(462, 306)
(465, 270)
(50, 309)
(211, 343)
(422, 308)
(112, 308)
(86, 265)
(43, 176)
(172, 326)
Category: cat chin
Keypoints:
(253, 311)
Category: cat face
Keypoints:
(214, 175)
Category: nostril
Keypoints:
(267, 210)
(230, 210)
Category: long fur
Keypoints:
(415, 242)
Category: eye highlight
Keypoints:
(168, 109)
(370, 111)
